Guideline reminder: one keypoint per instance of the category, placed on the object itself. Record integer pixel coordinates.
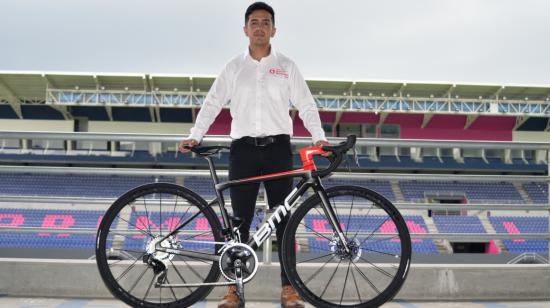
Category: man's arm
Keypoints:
(301, 98)
(218, 95)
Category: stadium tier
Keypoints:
(67, 185)
(519, 225)
(418, 191)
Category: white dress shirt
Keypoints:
(260, 92)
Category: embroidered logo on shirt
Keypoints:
(278, 72)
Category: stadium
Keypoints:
(467, 165)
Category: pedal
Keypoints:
(239, 280)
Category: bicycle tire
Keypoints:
(124, 216)
(367, 294)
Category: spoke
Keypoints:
(345, 282)
(120, 234)
(120, 249)
(149, 288)
(316, 258)
(111, 264)
(194, 271)
(322, 215)
(174, 212)
(361, 225)
(183, 215)
(137, 280)
(147, 214)
(189, 220)
(379, 269)
(194, 258)
(127, 270)
(171, 289)
(144, 232)
(304, 245)
(321, 235)
(200, 234)
(181, 277)
(384, 239)
(356, 287)
(381, 252)
(349, 216)
(318, 271)
(380, 225)
(366, 278)
(330, 280)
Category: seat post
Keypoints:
(212, 168)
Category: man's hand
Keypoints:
(321, 143)
(187, 143)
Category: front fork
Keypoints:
(329, 212)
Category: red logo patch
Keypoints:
(278, 72)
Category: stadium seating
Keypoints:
(518, 225)
(480, 192)
(538, 192)
(57, 219)
(66, 185)
(371, 223)
(458, 224)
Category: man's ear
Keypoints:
(273, 32)
(245, 31)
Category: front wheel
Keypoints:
(367, 274)
(143, 266)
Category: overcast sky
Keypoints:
(462, 41)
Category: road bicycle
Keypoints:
(163, 245)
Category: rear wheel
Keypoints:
(129, 237)
(370, 272)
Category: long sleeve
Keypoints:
(301, 98)
(218, 95)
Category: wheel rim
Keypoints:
(370, 271)
(127, 252)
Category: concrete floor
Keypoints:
(40, 302)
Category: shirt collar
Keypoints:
(272, 52)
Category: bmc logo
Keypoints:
(278, 72)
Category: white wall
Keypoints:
(37, 125)
(139, 127)
(531, 136)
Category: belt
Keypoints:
(263, 141)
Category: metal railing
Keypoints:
(155, 138)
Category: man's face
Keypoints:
(259, 29)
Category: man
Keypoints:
(259, 83)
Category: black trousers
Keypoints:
(248, 160)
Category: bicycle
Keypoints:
(324, 240)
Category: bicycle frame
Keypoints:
(310, 179)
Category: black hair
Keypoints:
(259, 6)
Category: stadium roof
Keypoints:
(31, 86)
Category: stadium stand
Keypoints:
(81, 100)
(518, 225)
(48, 218)
(17, 184)
(480, 192)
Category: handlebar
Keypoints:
(338, 152)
